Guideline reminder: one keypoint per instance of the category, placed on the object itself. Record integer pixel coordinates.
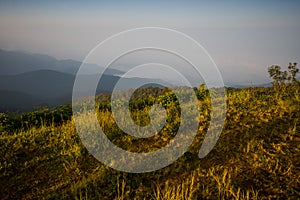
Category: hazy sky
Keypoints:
(243, 38)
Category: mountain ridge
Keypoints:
(17, 62)
(52, 88)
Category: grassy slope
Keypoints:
(257, 157)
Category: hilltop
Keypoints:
(256, 157)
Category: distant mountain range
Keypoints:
(28, 81)
(247, 85)
(16, 62)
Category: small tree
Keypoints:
(276, 74)
(293, 70)
(281, 77)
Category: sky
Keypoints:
(242, 37)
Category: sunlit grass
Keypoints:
(256, 157)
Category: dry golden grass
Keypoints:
(256, 157)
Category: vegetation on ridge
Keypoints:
(256, 157)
